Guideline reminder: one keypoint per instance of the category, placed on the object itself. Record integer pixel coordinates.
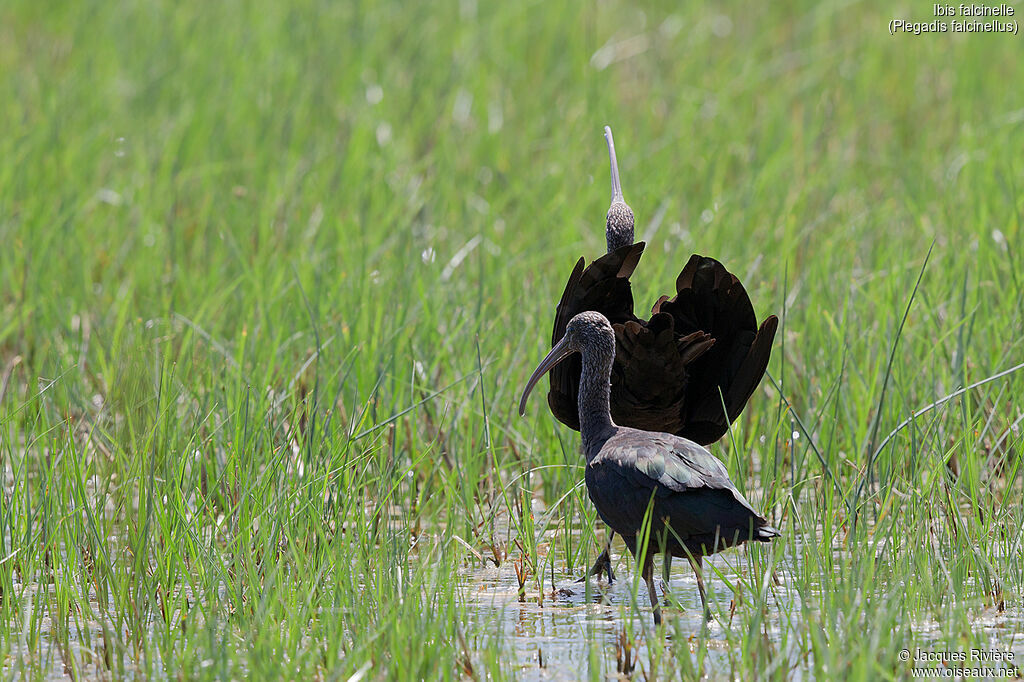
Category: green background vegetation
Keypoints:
(272, 276)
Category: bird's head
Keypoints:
(589, 333)
(618, 229)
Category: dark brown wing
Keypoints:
(603, 287)
(672, 373)
(651, 375)
(711, 299)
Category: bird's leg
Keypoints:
(697, 564)
(603, 563)
(606, 556)
(648, 574)
(666, 570)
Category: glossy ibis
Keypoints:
(689, 369)
(695, 510)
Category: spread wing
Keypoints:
(651, 374)
(603, 286)
(711, 299)
(672, 373)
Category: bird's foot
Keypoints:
(602, 565)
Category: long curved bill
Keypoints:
(560, 352)
(616, 187)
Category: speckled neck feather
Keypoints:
(619, 228)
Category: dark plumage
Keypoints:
(674, 371)
(689, 369)
(695, 509)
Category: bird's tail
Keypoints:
(766, 533)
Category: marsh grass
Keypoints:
(273, 275)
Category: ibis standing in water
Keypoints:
(690, 369)
(692, 508)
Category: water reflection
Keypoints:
(575, 629)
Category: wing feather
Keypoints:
(689, 488)
(602, 286)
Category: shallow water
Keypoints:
(572, 629)
(552, 636)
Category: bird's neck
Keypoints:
(618, 230)
(595, 402)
